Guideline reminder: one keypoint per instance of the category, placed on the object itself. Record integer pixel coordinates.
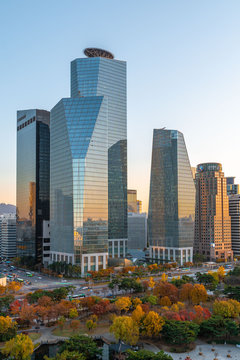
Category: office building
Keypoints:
(88, 187)
(171, 200)
(33, 157)
(8, 236)
(234, 212)
(137, 231)
(134, 205)
(232, 188)
(212, 220)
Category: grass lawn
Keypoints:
(67, 331)
(34, 335)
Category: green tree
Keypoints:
(233, 292)
(147, 355)
(83, 345)
(218, 328)
(207, 280)
(19, 348)
(67, 355)
(180, 332)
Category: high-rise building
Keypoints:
(137, 231)
(88, 188)
(234, 212)
(33, 166)
(8, 236)
(232, 188)
(212, 220)
(134, 205)
(171, 200)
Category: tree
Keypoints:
(151, 283)
(13, 287)
(226, 308)
(90, 324)
(165, 301)
(61, 322)
(8, 328)
(185, 292)
(73, 313)
(82, 344)
(198, 294)
(180, 332)
(164, 277)
(166, 289)
(233, 292)
(45, 301)
(123, 303)
(209, 280)
(138, 314)
(152, 324)
(27, 312)
(125, 329)
(67, 355)
(151, 299)
(19, 348)
(147, 355)
(136, 301)
(15, 307)
(221, 273)
(216, 328)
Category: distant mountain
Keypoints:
(7, 209)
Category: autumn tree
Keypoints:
(19, 348)
(73, 313)
(27, 312)
(185, 293)
(125, 329)
(123, 303)
(226, 308)
(138, 314)
(152, 324)
(8, 328)
(165, 301)
(198, 294)
(164, 277)
(90, 324)
(151, 283)
(166, 289)
(136, 301)
(221, 273)
(61, 322)
(15, 307)
(13, 287)
(45, 301)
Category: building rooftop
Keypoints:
(96, 52)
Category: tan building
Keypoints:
(134, 205)
(212, 220)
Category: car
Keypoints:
(39, 278)
(85, 288)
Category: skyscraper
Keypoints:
(234, 212)
(232, 188)
(89, 163)
(8, 235)
(33, 156)
(212, 220)
(137, 231)
(171, 200)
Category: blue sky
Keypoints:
(183, 72)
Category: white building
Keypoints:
(8, 235)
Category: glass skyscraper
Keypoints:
(89, 163)
(33, 167)
(172, 199)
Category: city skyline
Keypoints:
(183, 73)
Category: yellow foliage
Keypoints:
(198, 294)
(151, 283)
(136, 302)
(153, 324)
(123, 303)
(73, 313)
(164, 277)
(221, 272)
(125, 328)
(19, 348)
(6, 323)
(138, 314)
(226, 308)
(180, 305)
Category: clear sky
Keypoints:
(183, 72)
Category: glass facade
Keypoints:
(79, 173)
(172, 194)
(33, 168)
(100, 76)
